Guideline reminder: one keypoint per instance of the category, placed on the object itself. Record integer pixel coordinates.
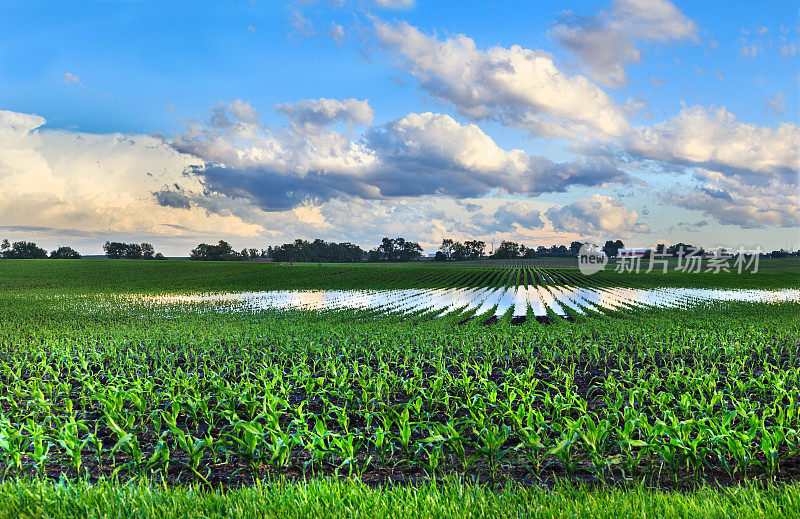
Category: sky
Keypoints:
(178, 122)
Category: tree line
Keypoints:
(317, 251)
(120, 250)
(114, 250)
(471, 250)
(29, 250)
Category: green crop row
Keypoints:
(181, 393)
(132, 276)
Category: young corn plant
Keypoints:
(566, 448)
(71, 441)
(491, 442)
(193, 447)
(14, 443)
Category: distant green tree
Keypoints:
(24, 250)
(611, 248)
(508, 250)
(222, 251)
(475, 248)
(65, 253)
(115, 249)
(147, 251)
(159, 256)
(121, 250)
(447, 247)
(318, 251)
(133, 251)
(460, 251)
(397, 249)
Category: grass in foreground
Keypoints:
(335, 499)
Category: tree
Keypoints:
(397, 249)
(222, 251)
(24, 250)
(121, 250)
(611, 248)
(410, 251)
(475, 248)
(686, 248)
(4, 246)
(460, 251)
(115, 249)
(575, 247)
(508, 250)
(316, 251)
(440, 256)
(65, 253)
(147, 251)
(447, 247)
(386, 250)
(159, 256)
(529, 253)
(133, 251)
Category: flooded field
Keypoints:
(522, 301)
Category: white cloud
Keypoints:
(715, 139)
(89, 184)
(321, 112)
(595, 216)
(243, 111)
(607, 42)
(521, 86)
(731, 201)
(417, 155)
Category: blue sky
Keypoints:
(77, 75)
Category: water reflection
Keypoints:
(540, 300)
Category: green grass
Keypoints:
(331, 499)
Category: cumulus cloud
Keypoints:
(607, 42)
(522, 87)
(731, 201)
(513, 214)
(59, 179)
(596, 215)
(417, 155)
(322, 112)
(243, 111)
(715, 139)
